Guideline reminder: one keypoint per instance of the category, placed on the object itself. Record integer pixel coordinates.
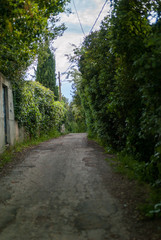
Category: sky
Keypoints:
(88, 11)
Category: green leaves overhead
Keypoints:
(23, 24)
(120, 86)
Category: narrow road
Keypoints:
(57, 193)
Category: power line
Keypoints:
(68, 68)
(78, 18)
(65, 79)
(98, 16)
(82, 26)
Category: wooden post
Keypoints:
(60, 97)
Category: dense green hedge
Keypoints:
(120, 87)
(36, 109)
(23, 26)
(75, 119)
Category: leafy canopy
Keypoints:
(37, 109)
(23, 25)
(120, 86)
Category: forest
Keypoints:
(118, 85)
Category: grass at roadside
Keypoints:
(9, 153)
(135, 170)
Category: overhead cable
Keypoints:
(67, 68)
(98, 16)
(78, 18)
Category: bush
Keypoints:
(36, 109)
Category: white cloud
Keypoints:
(87, 15)
(64, 47)
(88, 12)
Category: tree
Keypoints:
(120, 82)
(75, 119)
(45, 73)
(23, 25)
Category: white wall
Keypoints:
(13, 132)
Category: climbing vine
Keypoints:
(36, 109)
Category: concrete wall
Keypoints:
(13, 132)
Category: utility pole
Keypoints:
(60, 97)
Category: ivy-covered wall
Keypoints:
(36, 109)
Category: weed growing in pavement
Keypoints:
(5, 157)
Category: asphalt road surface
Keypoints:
(57, 193)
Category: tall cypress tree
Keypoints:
(45, 73)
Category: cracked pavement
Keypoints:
(57, 193)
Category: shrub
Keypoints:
(37, 110)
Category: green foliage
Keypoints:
(152, 207)
(97, 66)
(37, 110)
(135, 170)
(23, 25)
(75, 121)
(127, 165)
(119, 86)
(45, 73)
(5, 158)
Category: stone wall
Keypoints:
(9, 131)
